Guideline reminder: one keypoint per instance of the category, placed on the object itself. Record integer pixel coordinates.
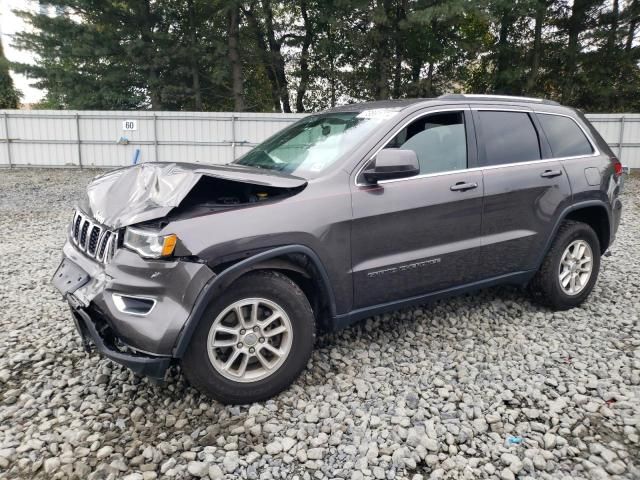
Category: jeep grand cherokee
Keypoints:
(229, 270)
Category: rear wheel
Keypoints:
(570, 269)
(253, 341)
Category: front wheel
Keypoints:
(570, 269)
(253, 341)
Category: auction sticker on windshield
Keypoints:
(379, 113)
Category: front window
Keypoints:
(439, 140)
(314, 143)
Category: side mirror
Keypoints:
(393, 163)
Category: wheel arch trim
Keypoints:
(562, 217)
(218, 283)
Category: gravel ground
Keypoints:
(487, 385)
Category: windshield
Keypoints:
(312, 144)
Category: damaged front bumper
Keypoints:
(94, 331)
(132, 309)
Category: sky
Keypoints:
(9, 25)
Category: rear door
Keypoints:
(420, 234)
(525, 189)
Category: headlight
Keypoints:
(148, 243)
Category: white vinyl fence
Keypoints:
(108, 139)
(622, 132)
(51, 138)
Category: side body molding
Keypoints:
(220, 282)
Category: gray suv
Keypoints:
(230, 270)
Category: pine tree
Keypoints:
(268, 55)
(9, 94)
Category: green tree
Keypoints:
(9, 94)
(308, 55)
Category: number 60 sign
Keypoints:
(129, 125)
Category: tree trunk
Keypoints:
(429, 85)
(332, 68)
(283, 85)
(502, 83)
(399, 41)
(381, 60)
(416, 67)
(416, 88)
(153, 80)
(266, 58)
(304, 58)
(632, 25)
(195, 68)
(632, 31)
(541, 11)
(154, 89)
(397, 75)
(276, 58)
(612, 35)
(576, 25)
(197, 91)
(237, 88)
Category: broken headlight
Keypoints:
(148, 243)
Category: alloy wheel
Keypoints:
(249, 340)
(576, 265)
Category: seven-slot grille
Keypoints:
(93, 239)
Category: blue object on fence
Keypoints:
(136, 156)
(514, 440)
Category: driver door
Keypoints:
(421, 234)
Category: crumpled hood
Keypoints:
(148, 191)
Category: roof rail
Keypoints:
(478, 97)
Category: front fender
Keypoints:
(215, 286)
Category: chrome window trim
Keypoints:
(502, 109)
(596, 151)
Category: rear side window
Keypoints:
(565, 137)
(508, 137)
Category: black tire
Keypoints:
(545, 286)
(272, 286)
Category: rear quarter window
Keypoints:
(565, 137)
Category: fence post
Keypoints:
(6, 132)
(233, 136)
(621, 138)
(78, 140)
(155, 136)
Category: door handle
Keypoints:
(463, 186)
(551, 173)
